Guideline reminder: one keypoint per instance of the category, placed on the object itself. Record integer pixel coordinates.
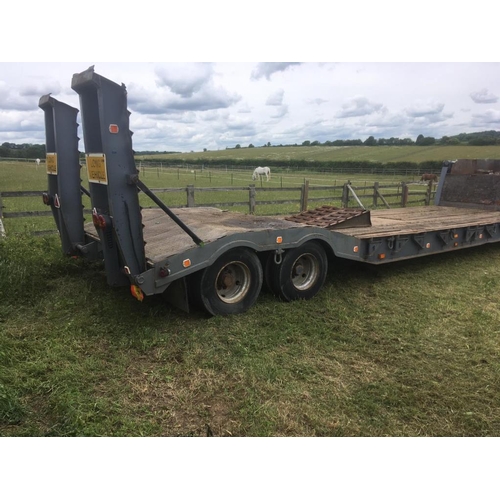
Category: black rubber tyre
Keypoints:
(230, 285)
(300, 275)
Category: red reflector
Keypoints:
(113, 128)
(164, 272)
(99, 220)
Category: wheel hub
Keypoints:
(233, 282)
(305, 271)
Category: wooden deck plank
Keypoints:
(164, 237)
(420, 220)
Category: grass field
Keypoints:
(404, 349)
(382, 154)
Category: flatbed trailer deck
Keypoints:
(165, 239)
(219, 259)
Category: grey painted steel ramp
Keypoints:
(63, 171)
(110, 164)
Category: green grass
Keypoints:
(408, 349)
(404, 349)
(343, 153)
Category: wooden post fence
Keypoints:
(404, 194)
(345, 197)
(304, 196)
(2, 230)
(428, 193)
(251, 199)
(190, 195)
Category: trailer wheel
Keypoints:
(300, 275)
(230, 285)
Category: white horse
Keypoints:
(37, 161)
(261, 171)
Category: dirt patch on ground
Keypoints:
(193, 403)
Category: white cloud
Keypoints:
(276, 98)
(161, 101)
(483, 96)
(184, 79)
(424, 109)
(358, 106)
(318, 101)
(489, 118)
(280, 112)
(266, 69)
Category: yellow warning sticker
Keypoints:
(96, 168)
(51, 163)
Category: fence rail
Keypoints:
(346, 195)
(152, 167)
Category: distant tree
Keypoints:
(425, 141)
(35, 151)
(306, 143)
(482, 141)
(371, 141)
(251, 146)
(237, 146)
(204, 150)
(268, 144)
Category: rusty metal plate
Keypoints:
(328, 217)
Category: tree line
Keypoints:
(11, 150)
(485, 138)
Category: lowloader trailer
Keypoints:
(218, 260)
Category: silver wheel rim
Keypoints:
(305, 271)
(233, 282)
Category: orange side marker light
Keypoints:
(136, 292)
